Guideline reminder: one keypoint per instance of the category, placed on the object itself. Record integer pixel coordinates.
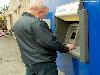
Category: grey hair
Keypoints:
(37, 6)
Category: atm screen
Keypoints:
(73, 35)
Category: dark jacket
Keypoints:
(35, 40)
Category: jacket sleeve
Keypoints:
(46, 39)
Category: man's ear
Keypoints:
(39, 12)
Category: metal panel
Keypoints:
(83, 30)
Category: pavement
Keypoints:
(10, 58)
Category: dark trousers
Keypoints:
(42, 69)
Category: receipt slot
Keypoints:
(71, 27)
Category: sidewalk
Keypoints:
(10, 59)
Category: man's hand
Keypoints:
(71, 46)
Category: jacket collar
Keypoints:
(27, 14)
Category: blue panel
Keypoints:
(76, 66)
(50, 16)
(93, 67)
(83, 68)
(65, 64)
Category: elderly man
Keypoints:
(36, 42)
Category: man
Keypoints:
(36, 42)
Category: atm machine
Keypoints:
(79, 22)
(71, 26)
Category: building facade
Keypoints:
(16, 8)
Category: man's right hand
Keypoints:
(71, 46)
